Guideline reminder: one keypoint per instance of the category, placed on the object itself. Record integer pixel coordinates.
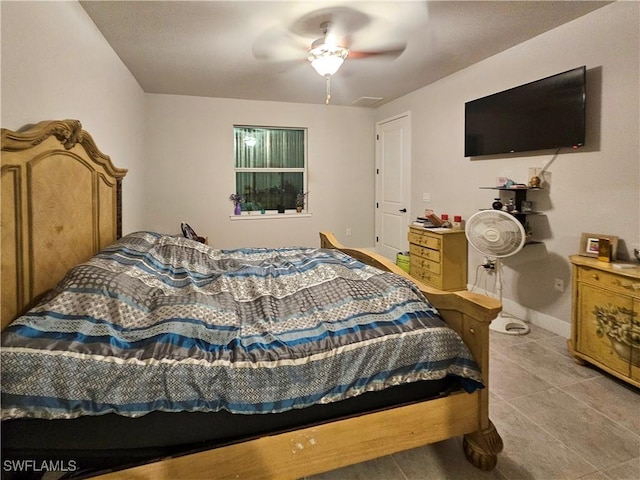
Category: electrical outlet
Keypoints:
(558, 285)
(426, 197)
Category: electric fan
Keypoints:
(497, 234)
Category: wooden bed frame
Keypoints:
(61, 204)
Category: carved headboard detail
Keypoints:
(61, 204)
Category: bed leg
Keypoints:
(482, 447)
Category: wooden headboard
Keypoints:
(61, 204)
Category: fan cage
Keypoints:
(495, 233)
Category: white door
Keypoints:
(393, 185)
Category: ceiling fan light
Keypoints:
(326, 65)
(327, 59)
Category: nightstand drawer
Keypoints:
(609, 280)
(417, 250)
(433, 279)
(424, 264)
(425, 240)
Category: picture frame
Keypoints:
(590, 244)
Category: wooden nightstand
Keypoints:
(605, 327)
(438, 257)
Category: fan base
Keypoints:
(510, 326)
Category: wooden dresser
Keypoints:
(439, 257)
(605, 329)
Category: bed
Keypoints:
(109, 313)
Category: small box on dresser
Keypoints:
(605, 327)
(439, 257)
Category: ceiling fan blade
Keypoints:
(277, 44)
(391, 53)
(385, 35)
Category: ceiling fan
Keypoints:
(326, 57)
(341, 29)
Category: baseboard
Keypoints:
(539, 319)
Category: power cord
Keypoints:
(489, 267)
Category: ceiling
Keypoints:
(257, 50)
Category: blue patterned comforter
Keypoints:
(157, 322)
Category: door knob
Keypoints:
(403, 210)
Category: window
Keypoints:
(270, 166)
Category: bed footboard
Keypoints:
(469, 314)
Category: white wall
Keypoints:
(190, 149)
(595, 189)
(57, 65)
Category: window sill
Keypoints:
(268, 215)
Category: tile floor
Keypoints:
(558, 421)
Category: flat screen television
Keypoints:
(545, 114)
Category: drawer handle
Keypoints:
(472, 331)
(595, 276)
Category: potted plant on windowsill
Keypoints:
(237, 199)
(300, 201)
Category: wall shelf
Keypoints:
(520, 196)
